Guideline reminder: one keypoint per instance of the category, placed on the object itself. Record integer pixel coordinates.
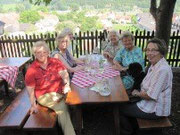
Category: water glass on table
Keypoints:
(104, 90)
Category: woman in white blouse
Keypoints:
(155, 92)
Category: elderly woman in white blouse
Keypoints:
(155, 92)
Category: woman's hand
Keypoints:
(141, 94)
(119, 68)
(124, 68)
(136, 93)
(77, 68)
(116, 67)
(33, 108)
(107, 55)
(80, 61)
(66, 89)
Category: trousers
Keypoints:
(56, 102)
(128, 114)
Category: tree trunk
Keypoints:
(163, 18)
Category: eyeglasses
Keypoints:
(41, 53)
(151, 50)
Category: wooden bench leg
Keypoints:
(78, 114)
(150, 132)
(116, 119)
(12, 132)
(58, 129)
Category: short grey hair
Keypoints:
(113, 32)
(39, 44)
(161, 44)
(127, 34)
(60, 37)
(67, 31)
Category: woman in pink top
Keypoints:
(156, 89)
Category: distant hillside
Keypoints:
(120, 5)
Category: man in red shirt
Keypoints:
(47, 81)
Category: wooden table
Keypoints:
(20, 62)
(82, 96)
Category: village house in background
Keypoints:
(10, 25)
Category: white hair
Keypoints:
(39, 44)
(113, 32)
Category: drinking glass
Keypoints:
(104, 90)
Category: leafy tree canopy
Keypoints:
(29, 16)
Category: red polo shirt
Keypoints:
(45, 80)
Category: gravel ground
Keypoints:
(99, 120)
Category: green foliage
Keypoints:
(76, 18)
(80, 19)
(66, 24)
(29, 16)
(74, 6)
(88, 24)
(41, 8)
(58, 5)
(66, 17)
(134, 19)
(119, 5)
(99, 25)
(19, 8)
(130, 27)
(8, 8)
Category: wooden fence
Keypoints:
(84, 42)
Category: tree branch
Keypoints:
(38, 2)
(153, 9)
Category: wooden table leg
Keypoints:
(24, 71)
(78, 112)
(6, 88)
(116, 119)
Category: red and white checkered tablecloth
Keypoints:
(83, 79)
(9, 73)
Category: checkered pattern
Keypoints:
(9, 73)
(109, 72)
(83, 79)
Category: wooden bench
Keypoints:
(43, 122)
(16, 118)
(153, 125)
(16, 114)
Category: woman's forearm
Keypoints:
(70, 69)
(144, 95)
(118, 66)
(31, 95)
(65, 77)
